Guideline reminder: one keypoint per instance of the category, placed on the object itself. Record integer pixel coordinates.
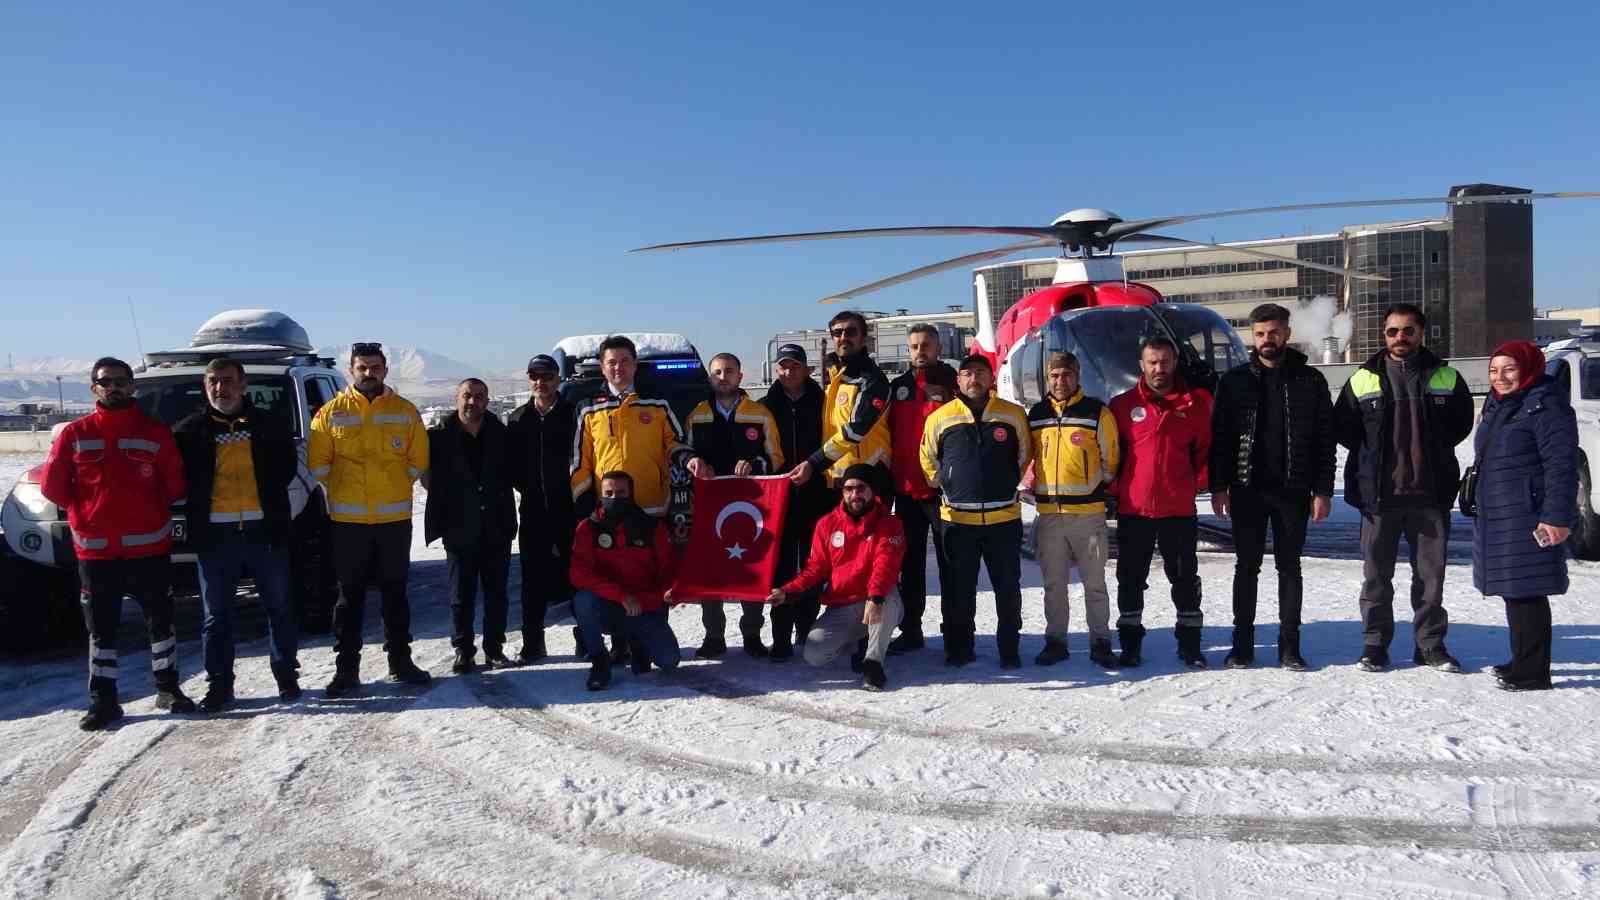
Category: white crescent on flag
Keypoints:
(737, 508)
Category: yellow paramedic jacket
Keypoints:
(1075, 454)
(638, 435)
(368, 455)
(855, 428)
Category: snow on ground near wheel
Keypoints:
(740, 777)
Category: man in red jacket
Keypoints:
(921, 389)
(117, 472)
(857, 549)
(1165, 431)
(622, 568)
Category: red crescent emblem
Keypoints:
(1077, 437)
(644, 417)
(877, 403)
(1000, 434)
(751, 434)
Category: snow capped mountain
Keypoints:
(412, 363)
(52, 366)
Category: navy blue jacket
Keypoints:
(1526, 447)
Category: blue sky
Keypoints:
(467, 177)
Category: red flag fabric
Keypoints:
(734, 539)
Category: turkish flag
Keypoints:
(733, 541)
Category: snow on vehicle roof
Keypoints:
(648, 343)
(238, 329)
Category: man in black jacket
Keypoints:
(239, 462)
(1402, 414)
(796, 403)
(470, 506)
(1272, 461)
(539, 438)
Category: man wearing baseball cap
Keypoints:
(796, 401)
(539, 448)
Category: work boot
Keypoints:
(580, 648)
(753, 646)
(346, 678)
(1523, 684)
(403, 671)
(1373, 659)
(1289, 653)
(782, 649)
(1100, 654)
(1501, 670)
(640, 657)
(1243, 653)
(172, 699)
(1054, 651)
(496, 659)
(463, 661)
(1437, 658)
(533, 650)
(712, 647)
(219, 696)
(1131, 640)
(858, 659)
(906, 641)
(872, 677)
(1189, 647)
(599, 673)
(958, 650)
(288, 679)
(103, 710)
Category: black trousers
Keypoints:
(919, 518)
(545, 551)
(999, 549)
(1253, 513)
(752, 616)
(1529, 621)
(792, 621)
(1427, 533)
(1137, 540)
(361, 553)
(105, 582)
(487, 562)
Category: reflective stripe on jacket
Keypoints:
(1075, 452)
(636, 435)
(368, 454)
(750, 433)
(854, 427)
(117, 473)
(976, 462)
(1363, 420)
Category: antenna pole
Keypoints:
(137, 340)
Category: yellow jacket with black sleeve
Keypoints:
(854, 427)
(368, 453)
(749, 433)
(633, 434)
(1075, 454)
(975, 459)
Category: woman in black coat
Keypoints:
(1526, 497)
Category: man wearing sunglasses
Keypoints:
(117, 472)
(1401, 415)
(368, 445)
(854, 427)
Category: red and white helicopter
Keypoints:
(1091, 308)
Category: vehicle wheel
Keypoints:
(311, 562)
(38, 606)
(1586, 533)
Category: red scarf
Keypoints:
(1529, 358)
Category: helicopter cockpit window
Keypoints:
(1026, 371)
(1214, 342)
(1106, 341)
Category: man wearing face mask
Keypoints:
(622, 570)
(470, 506)
(1402, 414)
(117, 473)
(239, 462)
(368, 445)
(539, 445)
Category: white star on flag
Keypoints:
(735, 552)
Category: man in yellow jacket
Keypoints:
(621, 431)
(368, 445)
(854, 427)
(1074, 458)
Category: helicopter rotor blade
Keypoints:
(1305, 264)
(922, 230)
(944, 265)
(1122, 230)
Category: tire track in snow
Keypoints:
(1350, 831)
(1147, 754)
(24, 802)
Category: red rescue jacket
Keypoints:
(913, 396)
(1166, 446)
(859, 558)
(117, 473)
(614, 561)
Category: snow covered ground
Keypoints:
(745, 778)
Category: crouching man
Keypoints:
(622, 569)
(857, 548)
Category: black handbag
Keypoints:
(1469, 492)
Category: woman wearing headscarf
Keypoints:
(1526, 498)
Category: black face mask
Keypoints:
(615, 509)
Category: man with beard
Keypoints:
(1164, 426)
(854, 427)
(368, 445)
(857, 550)
(1402, 415)
(796, 401)
(239, 462)
(622, 568)
(929, 384)
(470, 506)
(539, 447)
(731, 434)
(1272, 461)
(117, 473)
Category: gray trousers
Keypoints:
(1427, 533)
(1061, 542)
(839, 628)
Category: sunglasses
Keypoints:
(372, 348)
(1408, 331)
(119, 381)
(844, 332)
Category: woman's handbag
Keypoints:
(1469, 492)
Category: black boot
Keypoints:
(1131, 639)
(496, 659)
(1189, 647)
(872, 677)
(753, 646)
(532, 648)
(219, 696)
(782, 648)
(346, 677)
(403, 671)
(1289, 652)
(958, 649)
(1373, 659)
(1054, 651)
(640, 657)
(288, 679)
(1243, 653)
(463, 661)
(580, 647)
(103, 710)
(712, 647)
(171, 698)
(1100, 654)
(619, 650)
(906, 641)
(599, 673)
(1437, 658)
(858, 659)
